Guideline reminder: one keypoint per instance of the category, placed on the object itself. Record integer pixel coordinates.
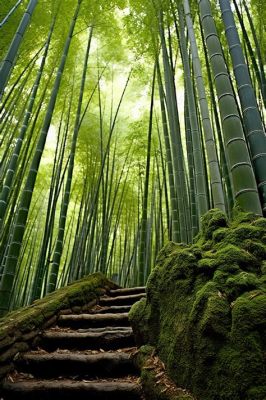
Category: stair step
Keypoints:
(111, 310)
(66, 389)
(106, 328)
(52, 365)
(93, 320)
(106, 340)
(127, 291)
(121, 300)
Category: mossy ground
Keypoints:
(206, 309)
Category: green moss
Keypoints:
(219, 234)
(255, 247)
(240, 233)
(229, 254)
(240, 216)
(212, 221)
(166, 252)
(258, 393)
(228, 257)
(220, 277)
(248, 313)
(179, 263)
(215, 319)
(205, 309)
(240, 283)
(138, 317)
(201, 298)
(207, 265)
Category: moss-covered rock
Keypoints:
(206, 309)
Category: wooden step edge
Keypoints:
(121, 291)
(86, 334)
(68, 385)
(92, 317)
(124, 297)
(74, 356)
(110, 310)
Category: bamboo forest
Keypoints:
(133, 199)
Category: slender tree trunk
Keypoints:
(173, 198)
(252, 119)
(9, 60)
(245, 188)
(143, 229)
(251, 53)
(15, 156)
(175, 134)
(191, 173)
(200, 179)
(24, 205)
(63, 213)
(13, 9)
(213, 163)
(258, 49)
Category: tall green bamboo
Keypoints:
(252, 118)
(4, 106)
(258, 49)
(143, 229)
(200, 179)
(84, 257)
(213, 163)
(244, 183)
(251, 53)
(16, 152)
(9, 60)
(25, 201)
(175, 135)
(191, 172)
(173, 198)
(55, 187)
(164, 188)
(227, 184)
(52, 279)
(12, 10)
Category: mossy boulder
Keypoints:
(206, 309)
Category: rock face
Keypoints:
(205, 310)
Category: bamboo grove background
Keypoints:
(122, 123)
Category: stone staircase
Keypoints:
(86, 356)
